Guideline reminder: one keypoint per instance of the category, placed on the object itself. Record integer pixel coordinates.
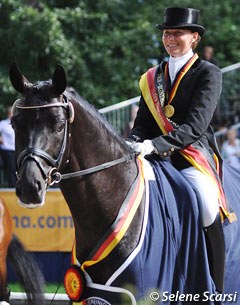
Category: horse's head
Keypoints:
(41, 121)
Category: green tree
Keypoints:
(103, 45)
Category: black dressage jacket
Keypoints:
(195, 102)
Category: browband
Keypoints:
(59, 104)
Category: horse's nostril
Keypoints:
(30, 188)
(38, 186)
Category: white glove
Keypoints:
(144, 148)
(130, 144)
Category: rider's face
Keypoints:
(178, 42)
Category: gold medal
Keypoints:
(169, 111)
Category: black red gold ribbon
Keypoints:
(74, 283)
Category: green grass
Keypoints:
(49, 288)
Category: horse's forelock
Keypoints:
(40, 92)
(41, 85)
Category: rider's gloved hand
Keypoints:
(129, 143)
(144, 148)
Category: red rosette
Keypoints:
(74, 283)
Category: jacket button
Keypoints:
(165, 154)
(172, 149)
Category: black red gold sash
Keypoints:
(117, 230)
(191, 154)
(180, 76)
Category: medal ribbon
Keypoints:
(191, 154)
(180, 76)
(120, 225)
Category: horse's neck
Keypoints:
(95, 199)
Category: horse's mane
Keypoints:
(93, 111)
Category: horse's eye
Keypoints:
(60, 127)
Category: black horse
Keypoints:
(127, 249)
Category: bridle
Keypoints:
(33, 153)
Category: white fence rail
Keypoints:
(119, 114)
(19, 298)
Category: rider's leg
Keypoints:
(216, 252)
(211, 222)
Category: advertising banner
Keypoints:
(46, 228)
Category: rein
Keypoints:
(98, 168)
(54, 176)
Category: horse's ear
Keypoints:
(59, 79)
(18, 80)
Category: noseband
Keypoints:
(54, 176)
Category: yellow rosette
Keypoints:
(74, 283)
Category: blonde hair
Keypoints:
(195, 43)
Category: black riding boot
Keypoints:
(216, 252)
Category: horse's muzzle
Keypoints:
(30, 205)
(30, 186)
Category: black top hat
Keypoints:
(185, 18)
